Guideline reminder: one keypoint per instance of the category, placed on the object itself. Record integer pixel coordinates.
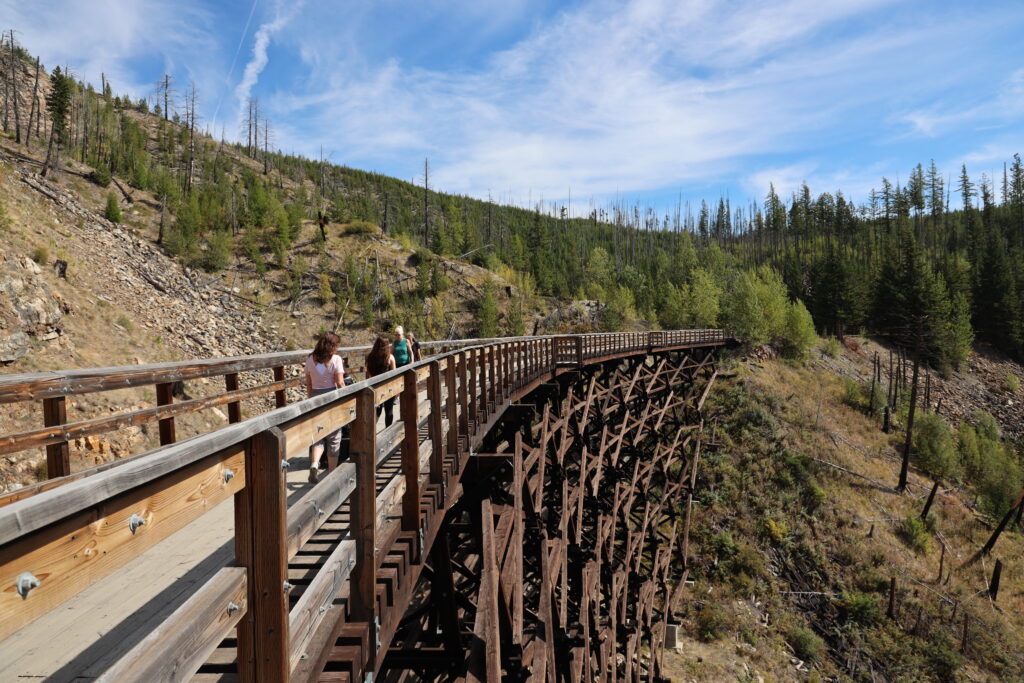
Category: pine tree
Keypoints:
(58, 106)
(487, 311)
(113, 211)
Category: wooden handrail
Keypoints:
(466, 390)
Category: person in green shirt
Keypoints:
(401, 348)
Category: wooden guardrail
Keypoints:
(57, 541)
(52, 389)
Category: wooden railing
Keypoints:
(57, 541)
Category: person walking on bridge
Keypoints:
(417, 355)
(401, 348)
(325, 372)
(378, 361)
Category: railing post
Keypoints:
(485, 382)
(364, 519)
(436, 424)
(281, 395)
(58, 459)
(164, 397)
(495, 380)
(409, 402)
(579, 350)
(464, 376)
(235, 407)
(473, 387)
(260, 512)
(452, 404)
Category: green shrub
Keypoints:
(755, 307)
(990, 464)
(775, 530)
(724, 545)
(831, 348)
(854, 393)
(942, 659)
(218, 251)
(859, 608)
(325, 292)
(101, 175)
(1012, 383)
(41, 255)
(359, 228)
(798, 335)
(805, 642)
(748, 560)
(712, 622)
(125, 322)
(914, 533)
(934, 448)
(113, 211)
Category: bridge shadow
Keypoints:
(101, 654)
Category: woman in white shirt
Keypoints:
(324, 372)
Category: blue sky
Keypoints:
(536, 99)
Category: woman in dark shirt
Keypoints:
(379, 361)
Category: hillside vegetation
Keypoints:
(906, 264)
(801, 539)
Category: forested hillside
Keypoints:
(933, 264)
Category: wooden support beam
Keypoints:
(364, 517)
(235, 407)
(280, 396)
(436, 425)
(410, 401)
(263, 639)
(58, 461)
(165, 396)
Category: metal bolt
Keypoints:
(285, 464)
(135, 521)
(232, 608)
(229, 474)
(352, 481)
(25, 583)
(323, 608)
(287, 586)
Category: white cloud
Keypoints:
(283, 13)
(108, 36)
(1004, 107)
(608, 97)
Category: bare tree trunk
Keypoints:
(35, 106)
(910, 427)
(266, 146)
(49, 152)
(7, 99)
(14, 92)
(426, 203)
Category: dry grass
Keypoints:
(861, 520)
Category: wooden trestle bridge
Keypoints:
(525, 518)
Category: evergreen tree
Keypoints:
(112, 212)
(58, 106)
